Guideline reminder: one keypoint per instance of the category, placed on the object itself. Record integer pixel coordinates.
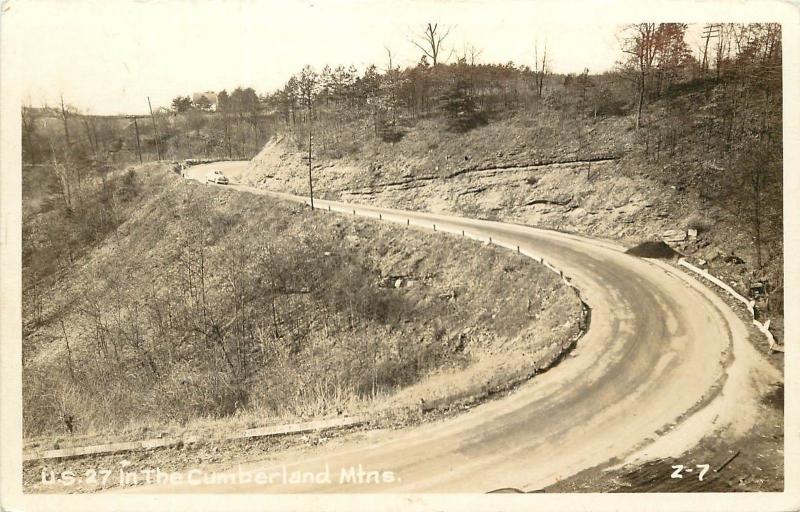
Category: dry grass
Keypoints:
(349, 340)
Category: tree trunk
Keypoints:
(640, 103)
(757, 216)
(69, 353)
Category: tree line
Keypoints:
(384, 100)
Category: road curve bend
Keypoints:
(659, 351)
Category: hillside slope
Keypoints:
(687, 177)
(209, 303)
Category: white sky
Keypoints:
(108, 56)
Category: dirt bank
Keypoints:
(602, 195)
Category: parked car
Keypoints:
(217, 177)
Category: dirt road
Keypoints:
(664, 359)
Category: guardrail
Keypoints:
(399, 219)
(749, 304)
(201, 161)
(326, 424)
(149, 444)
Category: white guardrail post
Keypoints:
(749, 304)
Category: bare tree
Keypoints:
(653, 47)
(671, 54)
(91, 133)
(470, 54)
(640, 44)
(29, 148)
(540, 67)
(755, 176)
(722, 50)
(62, 170)
(390, 65)
(430, 41)
(70, 366)
(66, 126)
(389, 88)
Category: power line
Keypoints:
(710, 31)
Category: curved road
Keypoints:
(656, 353)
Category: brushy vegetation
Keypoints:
(208, 303)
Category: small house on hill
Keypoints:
(209, 97)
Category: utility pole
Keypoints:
(710, 31)
(227, 133)
(310, 183)
(155, 129)
(138, 144)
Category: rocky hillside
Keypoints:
(686, 177)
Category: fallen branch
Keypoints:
(727, 461)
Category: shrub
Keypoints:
(701, 224)
(460, 109)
